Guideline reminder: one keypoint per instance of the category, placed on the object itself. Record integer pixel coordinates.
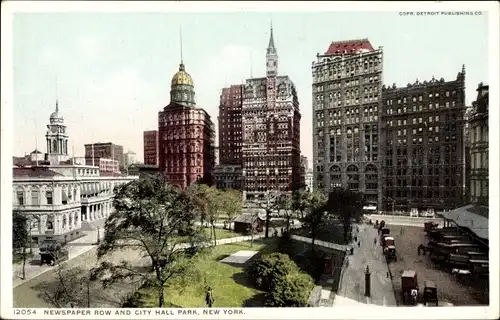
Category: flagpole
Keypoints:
(36, 146)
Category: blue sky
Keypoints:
(113, 70)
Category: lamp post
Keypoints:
(86, 280)
(367, 282)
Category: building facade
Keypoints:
(104, 165)
(270, 132)
(150, 143)
(479, 145)
(130, 158)
(230, 132)
(106, 150)
(186, 136)
(216, 156)
(58, 197)
(228, 176)
(423, 145)
(347, 98)
(309, 180)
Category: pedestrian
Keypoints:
(359, 244)
(355, 238)
(209, 297)
(375, 241)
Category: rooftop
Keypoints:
(472, 217)
(349, 47)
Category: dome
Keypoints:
(182, 77)
(56, 115)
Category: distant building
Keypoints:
(106, 150)
(186, 136)
(479, 146)
(230, 131)
(422, 127)
(228, 177)
(143, 170)
(217, 156)
(130, 158)
(309, 180)
(151, 147)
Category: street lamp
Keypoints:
(86, 280)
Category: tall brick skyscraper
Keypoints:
(186, 136)
(151, 147)
(271, 132)
(230, 137)
(347, 98)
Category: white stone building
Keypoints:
(58, 197)
(309, 180)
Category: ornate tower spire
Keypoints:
(271, 49)
(57, 105)
(271, 56)
(182, 58)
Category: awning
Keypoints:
(471, 217)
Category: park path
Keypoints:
(352, 284)
(27, 295)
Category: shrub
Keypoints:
(270, 267)
(285, 244)
(281, 278)
(291, 290)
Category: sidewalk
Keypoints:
(75, 248)
(352, 285)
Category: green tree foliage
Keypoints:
(231, 203)
(347, 205)
(19, 230)
(300, 202)
(208, 204)
(148, 216)
(285, 203)
(284, 283)
(316, 216)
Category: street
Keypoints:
(352, 285)
(75, 249)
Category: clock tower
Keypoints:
(57, 138)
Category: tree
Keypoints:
(347, 205)
(208, 202)
(285, 203)
(271, 202)
(148, 215)
(252, 228)
(20, 235)
(232, 202)
(300, 202)
(70, 288)
(316, 217)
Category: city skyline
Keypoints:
(104, 70)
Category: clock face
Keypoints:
(53, 129)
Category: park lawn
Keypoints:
(18, 257)
(220, 276)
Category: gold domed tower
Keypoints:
(182, 88)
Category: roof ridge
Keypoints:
(350, 41)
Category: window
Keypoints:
(20, 197)
(414, 131)
(414, 120)
(420, 120)
(437, 118)
(420, 98)
(447, 93)
(49, 197)
(34, 197)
